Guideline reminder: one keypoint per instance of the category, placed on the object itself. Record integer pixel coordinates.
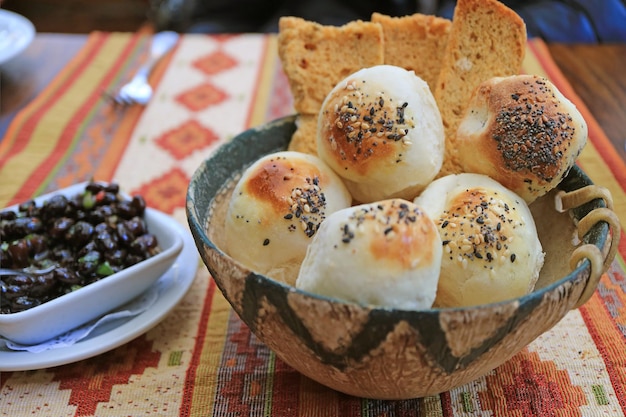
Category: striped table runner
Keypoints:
(201, 360)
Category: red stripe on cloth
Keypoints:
(350, 406)
(74, 126)
(601, 142)
(610, 343)
(446, 404)
(21, 129)
(286, 390)
(119, 142)
(190, 378)
(256, 89)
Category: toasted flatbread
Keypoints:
(487, 39)
(416, 42)
(304, 138)
(316, 57)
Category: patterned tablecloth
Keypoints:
(201, 360)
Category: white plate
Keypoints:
(172, 287)
(16, 33)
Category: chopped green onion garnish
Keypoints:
(105, 269)
(89, 200)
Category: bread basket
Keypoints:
(386, 353)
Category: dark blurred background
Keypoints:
(580, 21)
(81, 16)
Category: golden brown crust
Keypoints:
(276, 178)
(520, 131)
(487, 39)
(315, 57)
(360, 130)
(406, 236)
(416, 43)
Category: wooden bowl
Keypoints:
(387, 353)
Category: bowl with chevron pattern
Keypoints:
(383, 352)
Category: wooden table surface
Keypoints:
(594, 71)
(24, 76)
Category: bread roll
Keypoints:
(491, 251)
(522, 132)
(381, 131)
(277, 207)
(386, 253)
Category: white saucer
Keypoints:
(16, 33)
(172, 287)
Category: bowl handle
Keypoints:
(565, 201)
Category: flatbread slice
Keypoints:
(316, 57)
(487, 39)
(416, 42)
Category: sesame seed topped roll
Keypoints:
(386, 253)
(277, 207)
(380, 130)
(491, 250)
(522, 132)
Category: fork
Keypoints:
(138, 90)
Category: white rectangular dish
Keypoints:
(71, 310)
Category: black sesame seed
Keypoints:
(266, 242)
(310, 229)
